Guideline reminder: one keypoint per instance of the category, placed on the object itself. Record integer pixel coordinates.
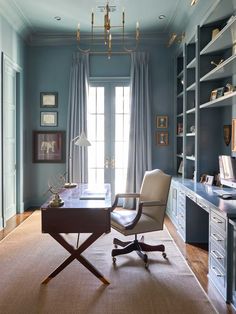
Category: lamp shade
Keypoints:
(82, 140)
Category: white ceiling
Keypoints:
(37, 17)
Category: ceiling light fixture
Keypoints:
(162, 17)
(107, 30)
(58, 18)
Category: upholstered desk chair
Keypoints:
(148, 216)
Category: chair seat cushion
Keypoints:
(123, 217)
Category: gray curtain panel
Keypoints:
(77, 157)
(140, 146)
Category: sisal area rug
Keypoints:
(27, 256)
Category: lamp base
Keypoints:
(70, 185)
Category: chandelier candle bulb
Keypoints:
(123, 16)
(109, 42)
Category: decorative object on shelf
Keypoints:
(180, 128)
(220, 92)
(48, 99)
(180, 170)
(217, 63)
(162, 122)
(234, 49)
(48, 146)
(82, 141)
(227, 134)
(233, 145)
(55, 186)
(230, 19)
(192, 128)
(175, 38)
(106, 29)
(213, 94)
(48, 118)
(214, 33)
(230, 89)
(162, 138)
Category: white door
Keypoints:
(108, 132)
(9, 140)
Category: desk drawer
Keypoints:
(202, 204)
(218, 221)
(217, 237)
(218, 254)
(218, 276)
(75, 220)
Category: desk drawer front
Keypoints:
(218, 276)
(218, 254)
(70, 220)
(217, 237)
(218, 221)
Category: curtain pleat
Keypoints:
(77, 157)
(140, 145)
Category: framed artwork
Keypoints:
(162, 138)
(48, 146)
(48, 99)
(48, 118)
(162, 121)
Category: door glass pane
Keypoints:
(95, 132)
(121, 136)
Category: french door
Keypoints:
(108, 131)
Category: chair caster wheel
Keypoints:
(115, 246)
(164, 255)
(113, 260)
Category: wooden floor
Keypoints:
(196, 257)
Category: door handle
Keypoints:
(107, 162)
(113, 163)
(110, 163)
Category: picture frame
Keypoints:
(162, 122)
(209, 180)
(48, 118)
(48, 146)
(48, 99)
(213, 94)
(163, 138)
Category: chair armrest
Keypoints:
(151, 203)
(123, 195)
(132, 224)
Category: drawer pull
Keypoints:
(215, 237)
(217, 255)
(217, 272)
(217, 220)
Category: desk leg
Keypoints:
(76, 254)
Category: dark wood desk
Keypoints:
(78, 215)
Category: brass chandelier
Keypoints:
(107, 30)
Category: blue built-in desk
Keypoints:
(201, 216)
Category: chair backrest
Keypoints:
(155, 187)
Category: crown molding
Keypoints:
(14, 16)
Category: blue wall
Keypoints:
(48, 70)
